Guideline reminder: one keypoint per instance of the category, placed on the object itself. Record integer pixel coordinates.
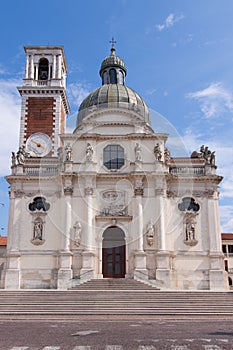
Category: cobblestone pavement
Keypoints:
(117, 335)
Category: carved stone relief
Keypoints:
(113, 203)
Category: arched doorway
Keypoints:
(113, 253)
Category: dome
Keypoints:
(112, 61)
(113, 96)
(113, 93)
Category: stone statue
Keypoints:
(150, 232)
(13, 159)
(138, 156)
(60, 154)
(206, 154)
(212, 158)
(157, 152)
(20, 156)
(166, 155)
(89, 152)
(38, 229)
(77, 233)
(190, 230)
(68, 150)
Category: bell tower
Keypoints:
(44, 100)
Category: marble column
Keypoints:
(54, 67)
(140, 270)
(27, 67)
(163, 270)
(88, 256)
(31, 72)
(68, 194)
(218, 276)
(65, 272)
(12, 268)
(59, 68)
(159, 193)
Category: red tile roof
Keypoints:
(227, 236)
(3, 241)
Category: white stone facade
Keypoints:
(74, 217)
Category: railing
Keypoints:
(47, 171)
(187, 171)
(81, 275)
(42, 82)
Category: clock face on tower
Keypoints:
(38, 145)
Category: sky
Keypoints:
(179, 58)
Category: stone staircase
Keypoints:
(114, 284)
(108, 298)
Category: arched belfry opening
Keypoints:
(43, 71)
(113, 253)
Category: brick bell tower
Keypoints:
(44, 100)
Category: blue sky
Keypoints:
(178, 53)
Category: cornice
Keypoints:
(207, 178)
(43, 90)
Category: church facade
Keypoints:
(108, 200)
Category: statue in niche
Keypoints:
(150, 232)
(190, 231)
(20, 156)
(68, 150)
(89, 152)
(38, 229)
(166, 155)
(138, 156)
(77, 228)
(157, 152)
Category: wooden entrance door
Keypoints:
(114, 262)
(113, 253)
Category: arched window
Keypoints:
(105, 77)
(113, 76)
(114, 157)
(120, 77)
(43, 71)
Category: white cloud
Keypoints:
(2, 70)
(226, 214)
(169, 21)
(213, 100)
(10, 118)
(76, 93)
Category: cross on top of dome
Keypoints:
(113, 47)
